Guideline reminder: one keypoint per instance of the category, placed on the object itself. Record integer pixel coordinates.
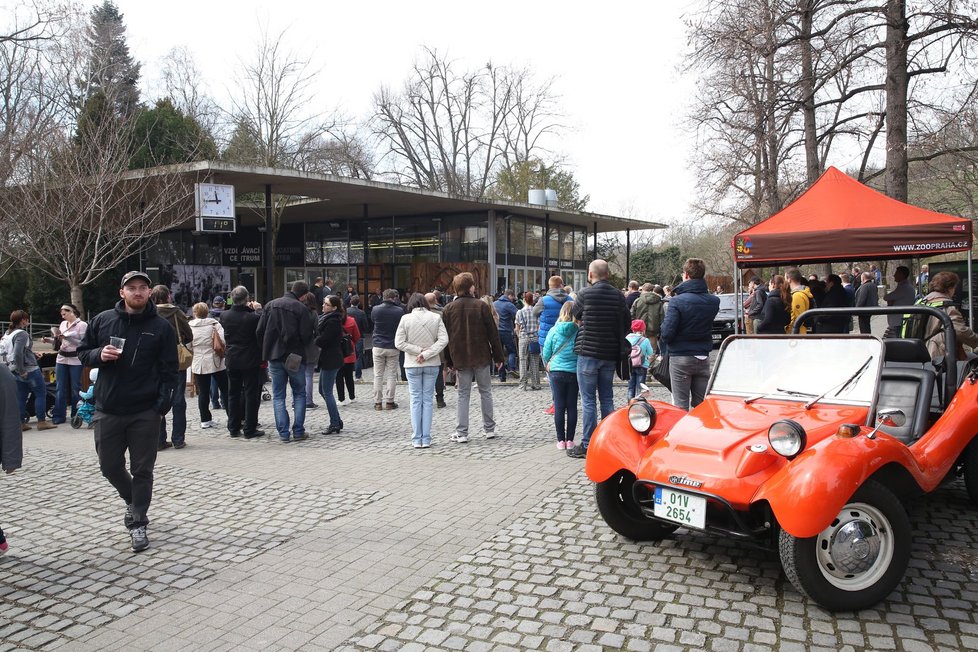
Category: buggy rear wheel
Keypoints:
(858, 559)
(618, 508)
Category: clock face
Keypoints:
(215, 200)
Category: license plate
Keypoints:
(717, 337)
(680, 507)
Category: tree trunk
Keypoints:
(897, 81)
(76, 297)
(806, 87)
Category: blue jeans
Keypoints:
(358, 367)
(297, 381)
(595, 375)
(34, 382)
(219, 392)
(638, 377)
(563, 387)
(178, 413)
(68, 377)
(327, 383)
(421, 386)
(506, 337)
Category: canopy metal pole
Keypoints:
(738, 304)
(971, 304)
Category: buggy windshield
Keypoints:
(800, 368)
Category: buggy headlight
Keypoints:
(641, 416)
(787, 438)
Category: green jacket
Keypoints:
(650, 309)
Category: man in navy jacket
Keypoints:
(687, 331)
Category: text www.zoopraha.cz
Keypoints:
(930, 246)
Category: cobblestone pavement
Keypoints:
(360, 541)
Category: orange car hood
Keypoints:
(712, 443)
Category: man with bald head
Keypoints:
(600, 344)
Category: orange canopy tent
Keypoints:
(838, 218)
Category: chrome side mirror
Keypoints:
(893, 417)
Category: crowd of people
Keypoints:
(143, 348)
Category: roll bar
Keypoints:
(950, 337)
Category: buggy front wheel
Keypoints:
(76, 422)
(857, 560)
(971, 470)
(618, 508)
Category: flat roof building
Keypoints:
(371, 236)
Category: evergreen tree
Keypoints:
(112, 73)
(164, 135)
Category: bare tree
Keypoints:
(83, 213)
(32, 88)
(182, 84)
(452, 130)
(785, 77)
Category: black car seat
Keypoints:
(909, 390)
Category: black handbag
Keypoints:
(624, 354)
(660, 370)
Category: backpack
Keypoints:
(7, 350)
(636, 356)
(915, 325)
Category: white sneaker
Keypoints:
(491, 435)
(461, 439)
(207, 424)
(351, 400)
(416, 444)
(343, 402)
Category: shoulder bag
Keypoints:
(217, 343)
(185, 356)
(546, 365)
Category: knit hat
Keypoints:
(638, 326)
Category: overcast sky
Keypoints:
(615, 64)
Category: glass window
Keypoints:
(500, 239)
(207, 250)
(567, 243)
(292, 275)
(534, 240)
(554, 244)
(357, 232)
(580, 245)
(475, 243)
(517, 236)
(170, 249)
(379, 240)
(416, 240)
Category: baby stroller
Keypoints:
(265, 394)
(86, 406)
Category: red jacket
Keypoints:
(350, 326)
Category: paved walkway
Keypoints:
(357, 541)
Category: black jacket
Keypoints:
(837, 297)
(11, 435)
(241, 342)
(386, 317)
(330, 332)
(688, 325)
(146, 376)
(757, 301)
(285, 327)
(605, 321)
(774, 317)
(360, 317)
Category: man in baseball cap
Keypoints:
(135, 351)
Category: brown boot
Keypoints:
(25, 426)
(45, 425)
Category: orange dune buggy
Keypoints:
(805, 444)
